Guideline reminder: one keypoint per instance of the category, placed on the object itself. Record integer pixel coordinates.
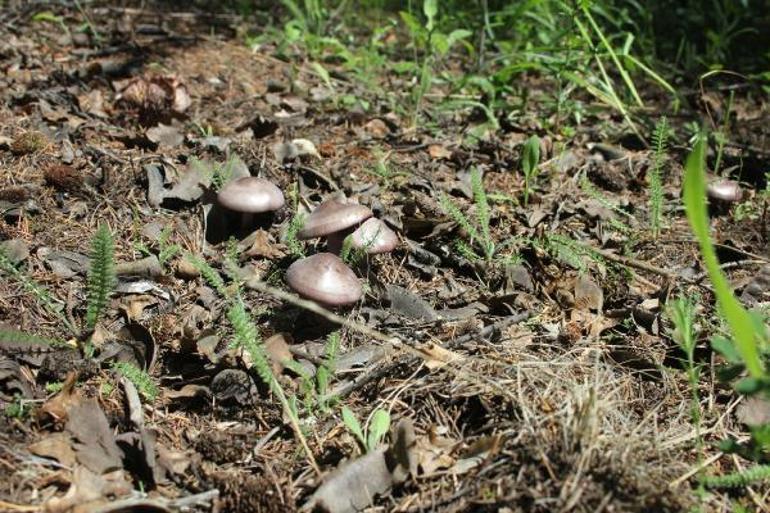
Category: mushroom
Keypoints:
(725, 191)
(374, 237)
(333, 219)
(250, 195)
(324, 278)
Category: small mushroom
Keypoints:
(250, 195)
(724, 190)
(324, 278)
(374, 236)
(333, 219)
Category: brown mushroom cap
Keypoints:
(333, 216)
(725, 190)
(375, 237)
(324, 278)
(250, 194)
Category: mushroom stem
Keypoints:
(334, 242)
(247, 222)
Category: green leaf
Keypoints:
(748, 386)
(412, 23)
(101, 275)
(726, 348)
(323, 73)
(47, 16)
(351, 422)
(739, 320)
(530, 157)
(378, 428)
(430, 8)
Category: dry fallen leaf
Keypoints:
(354, 484)
(277, 349)
(437, 151)
(436, 356)
(57, 446)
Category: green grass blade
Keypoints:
(739, 320)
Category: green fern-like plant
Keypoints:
(101, 276)
(292, 242)
(478, 231)
(22, 338)
(616, 224)
(141, 379)
(738, 479)
(325, 371)
(660, 143)
(209, 274)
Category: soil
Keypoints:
(545, 379)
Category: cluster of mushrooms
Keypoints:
(322, 277)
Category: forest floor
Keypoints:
(543, 378)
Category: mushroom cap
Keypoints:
(324, 278)
(725, 190)
(375, 237)
(333, 216)
(250, 194)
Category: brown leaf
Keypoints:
(93, 103)
(165, 136)
(376, 129)
(436, 356)
(58, 406)
(437, 152)
(277, 349)
(354, 484)
(94, 445)
(263, 247)
(88, 491)
(57, 446)
(588, 294)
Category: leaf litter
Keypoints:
(566, 408)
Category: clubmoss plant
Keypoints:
(660, 144)
(247, 337)
(296, 248)
(101, 281)
(166, 251)
(101, 276)
(140, 378)
(740, 479)
(616, 224)
(681, 312)
(478, 230)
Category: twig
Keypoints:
(729, 265)
(393, 343)
(405, 361)
(631, 262)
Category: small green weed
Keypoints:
(660, 143)
(376, 429)
(681, 312)
(530, 160)
(141, 379)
